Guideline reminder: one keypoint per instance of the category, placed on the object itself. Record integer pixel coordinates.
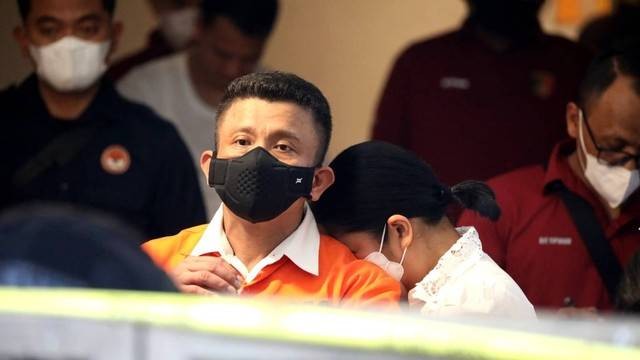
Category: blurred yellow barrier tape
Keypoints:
(304, 324)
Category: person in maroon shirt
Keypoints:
(536, 241)
(496, 77)
(176, 26)
(623, 23)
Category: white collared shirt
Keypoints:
(467, 281)
(302, 247)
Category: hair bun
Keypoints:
(476, 195)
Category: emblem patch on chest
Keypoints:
(115, 160)
(453, 82)
(543, 84)
(554, 240)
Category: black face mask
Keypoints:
(258, 187)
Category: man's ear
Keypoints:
(322, 179)
(573, 119)
(20, 35)
(116, 35)
(400, 232)
(205, 161)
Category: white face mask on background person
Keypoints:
(394, 269)
(71, 64)
(178, 27)
(614, 183)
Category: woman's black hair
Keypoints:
(375, 180)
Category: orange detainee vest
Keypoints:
(342, 279)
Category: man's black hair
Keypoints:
(285, 87)
(25, 6)
(253, 18)
(64, 245)
(628, 297)
(375, 180)
(622, 59)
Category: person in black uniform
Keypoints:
(68, 136)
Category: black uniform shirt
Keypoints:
(134, 164)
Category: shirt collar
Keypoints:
(101, 107)
(558, 169)
(302, 247)
(465, 252)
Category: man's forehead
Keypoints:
(619, 92)
(618, 108)
(65, 10)
(258, 110)
(269, 117)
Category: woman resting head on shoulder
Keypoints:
(389, 208)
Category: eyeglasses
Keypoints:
(611, 157)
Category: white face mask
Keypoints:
(394, 269)
(71, 64)
(614, 183)
(178, 26)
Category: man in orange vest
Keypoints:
(272, 135)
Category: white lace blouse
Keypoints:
(467, 281)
